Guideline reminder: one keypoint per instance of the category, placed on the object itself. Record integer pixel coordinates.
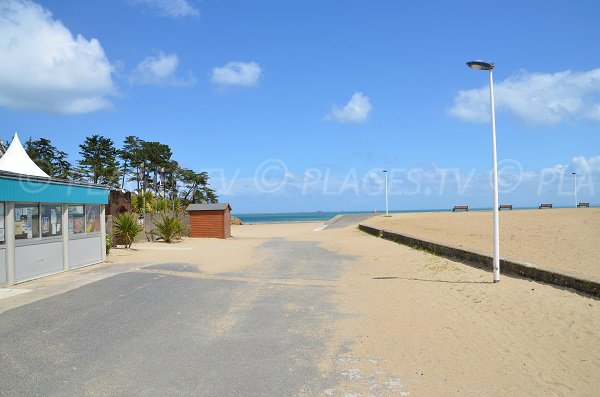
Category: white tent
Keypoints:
(16, 160)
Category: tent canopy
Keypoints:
(17, 161)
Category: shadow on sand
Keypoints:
(430, 280)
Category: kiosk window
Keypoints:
(92, 218)
(76, 219)
(27, 221)
(51, 220)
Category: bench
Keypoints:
(460, 208)
(583, 205)
(505, 207)
(542, 206)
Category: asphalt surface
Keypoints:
(170, 330)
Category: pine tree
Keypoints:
(51, 160)
(99, 162)
(195, 185)
(131, 155)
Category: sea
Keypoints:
(286, 217)
(323, 216)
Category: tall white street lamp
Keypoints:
(387, 212)
(480, 65)
(575, 188)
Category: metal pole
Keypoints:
(387, 212)
(173, 189)
(155, 187)
(143, 177)
(163, 189)
(575, 189)
(496, 261)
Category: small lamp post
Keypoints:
(481, 65)
(162, 187)
(143, 186)
(575, 188)
(387, 212)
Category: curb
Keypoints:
(482, 261)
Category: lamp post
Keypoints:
(143, 187)
(480, 65)
(173, 190)
(575, 188)
(387, 212)
(162, 187)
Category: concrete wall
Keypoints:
(84, 250)
(40, 259)
(2, 265)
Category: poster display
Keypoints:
(27, 221)
(92, 218)
(76, 219)
(51, 218)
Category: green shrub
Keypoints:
(169, 228)
(108, 243)
(127, 227)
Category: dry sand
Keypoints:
(444, 329)
(423, 325)
(563, 239)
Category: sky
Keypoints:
(300, 105)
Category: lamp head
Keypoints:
(480, 65)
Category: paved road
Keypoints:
(170, 330)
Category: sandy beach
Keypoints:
(563, 239)
(410, 323)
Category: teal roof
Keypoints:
(21, 188)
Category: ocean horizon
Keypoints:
(323, 216)
(308, 216)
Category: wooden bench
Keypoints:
(583, 205)
(542, 206)
(460, 208)
(505, 207)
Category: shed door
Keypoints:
(206, 224)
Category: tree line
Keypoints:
(149, 164)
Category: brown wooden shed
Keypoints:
(210, 220)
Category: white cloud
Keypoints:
(159, 70)
(540, 98)
(356, 110)
(586, 165)
(555, 169)
(43, 67)
(169, 8)
(244, 74)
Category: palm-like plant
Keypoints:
(138, 202)
(169, 228)
(127, 227)
(168, 205)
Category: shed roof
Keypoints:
(208, 207)
(17, 161)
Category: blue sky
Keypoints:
(298, 105)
